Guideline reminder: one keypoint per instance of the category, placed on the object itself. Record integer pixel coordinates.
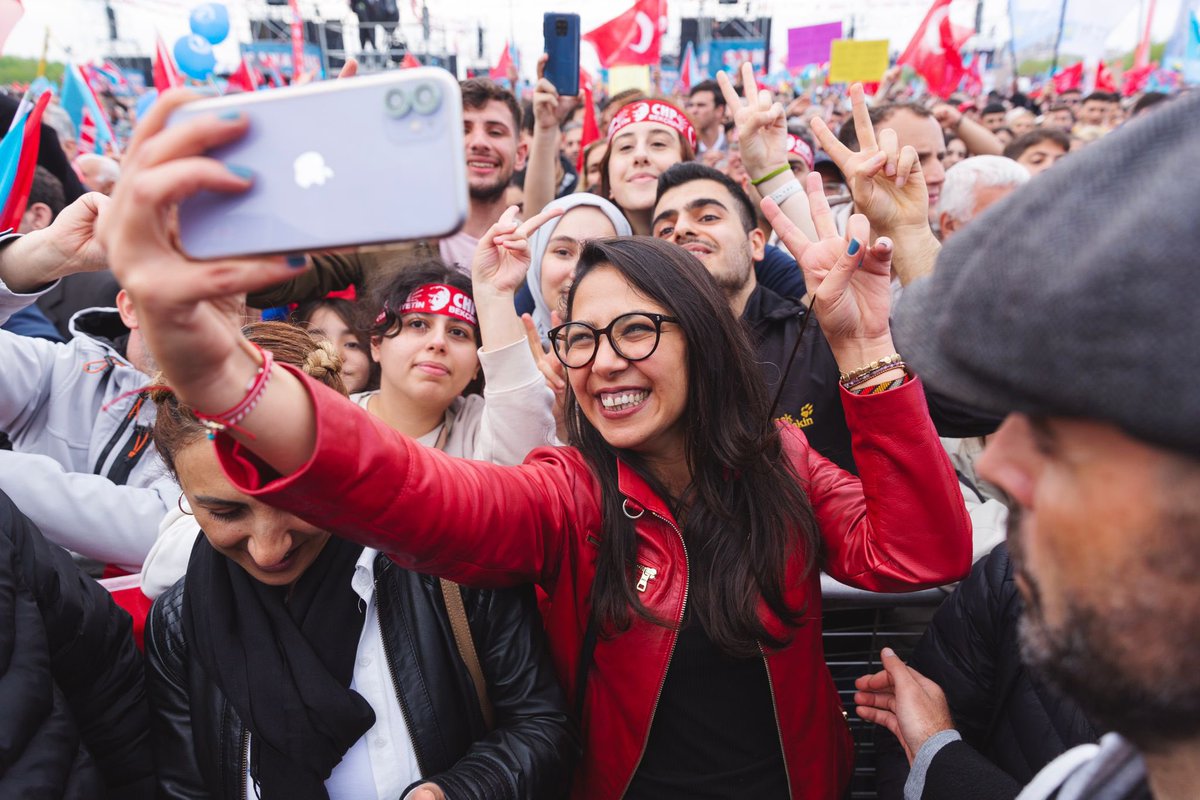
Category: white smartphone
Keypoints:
(362, 161)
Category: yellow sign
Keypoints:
(851, 60)
(628, 77)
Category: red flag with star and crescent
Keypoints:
(633, 38)
(935, 50)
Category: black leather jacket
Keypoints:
(74, 722)
(529, 754)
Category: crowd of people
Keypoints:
(542, 509)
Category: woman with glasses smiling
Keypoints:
(678, 540)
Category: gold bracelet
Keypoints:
(848, 377)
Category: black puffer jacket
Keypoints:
(1002, 710)
(529, 754)
(74, 722)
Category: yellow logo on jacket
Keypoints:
(806, 418)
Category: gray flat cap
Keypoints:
(1079, 294)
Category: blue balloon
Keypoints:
(195, 58)
(210, 21)
(145, 101)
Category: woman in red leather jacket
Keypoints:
(678, 541)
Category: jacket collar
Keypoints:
(638, 494)
(764, 304)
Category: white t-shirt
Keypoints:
(458, 250)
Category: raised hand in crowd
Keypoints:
(887, 185)
(978, 139)
(185, 297)
(498, 271)
(549, 110)
(551, 368)
(904, 701)
(66, 247)
(849, 281)
(762, 142)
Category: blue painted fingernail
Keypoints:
(297, 260)
(231, 116)
(245, 173)
(854, 245)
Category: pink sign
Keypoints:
(810, 44)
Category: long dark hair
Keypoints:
(746, 513)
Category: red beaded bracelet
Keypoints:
(254, 392)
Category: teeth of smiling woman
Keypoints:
(620, 402)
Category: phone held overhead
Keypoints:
(320, 155)
(562, 45)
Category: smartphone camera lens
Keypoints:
(397, 102)
(426, 98)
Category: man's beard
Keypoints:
(491, 192)
(1099, 659)
(732, 278)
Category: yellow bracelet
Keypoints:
(848, 377)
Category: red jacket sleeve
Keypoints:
(901, 525)
(469, 521)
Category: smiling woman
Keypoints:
(644, 139)
(676, 542)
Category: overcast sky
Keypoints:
(80, 24)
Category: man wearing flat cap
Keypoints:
(1072, 308)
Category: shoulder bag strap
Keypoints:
(457, 614)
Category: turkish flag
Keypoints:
(1104, 78)
(1135, 79)
(1069, 78)
(591, 131)
(634, 38)
(243, 80)
(166, 76)
(934, 50)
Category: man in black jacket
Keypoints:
(1004, 712)
(710, 216)
(75, 722)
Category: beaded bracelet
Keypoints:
(875, 373)
(848, 377)
(880, 388)
(772, 174)
(255, 388)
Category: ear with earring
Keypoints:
(183, 510)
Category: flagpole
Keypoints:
(1062, 19)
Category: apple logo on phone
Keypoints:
(311, 170)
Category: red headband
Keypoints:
(436, 298)
(653, 111)
(798, 147)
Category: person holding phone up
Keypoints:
(681, 533)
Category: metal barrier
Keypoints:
(857, 625)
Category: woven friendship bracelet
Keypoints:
(852, 375)
(255, 388)
(879, 389)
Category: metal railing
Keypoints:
(857, 625)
